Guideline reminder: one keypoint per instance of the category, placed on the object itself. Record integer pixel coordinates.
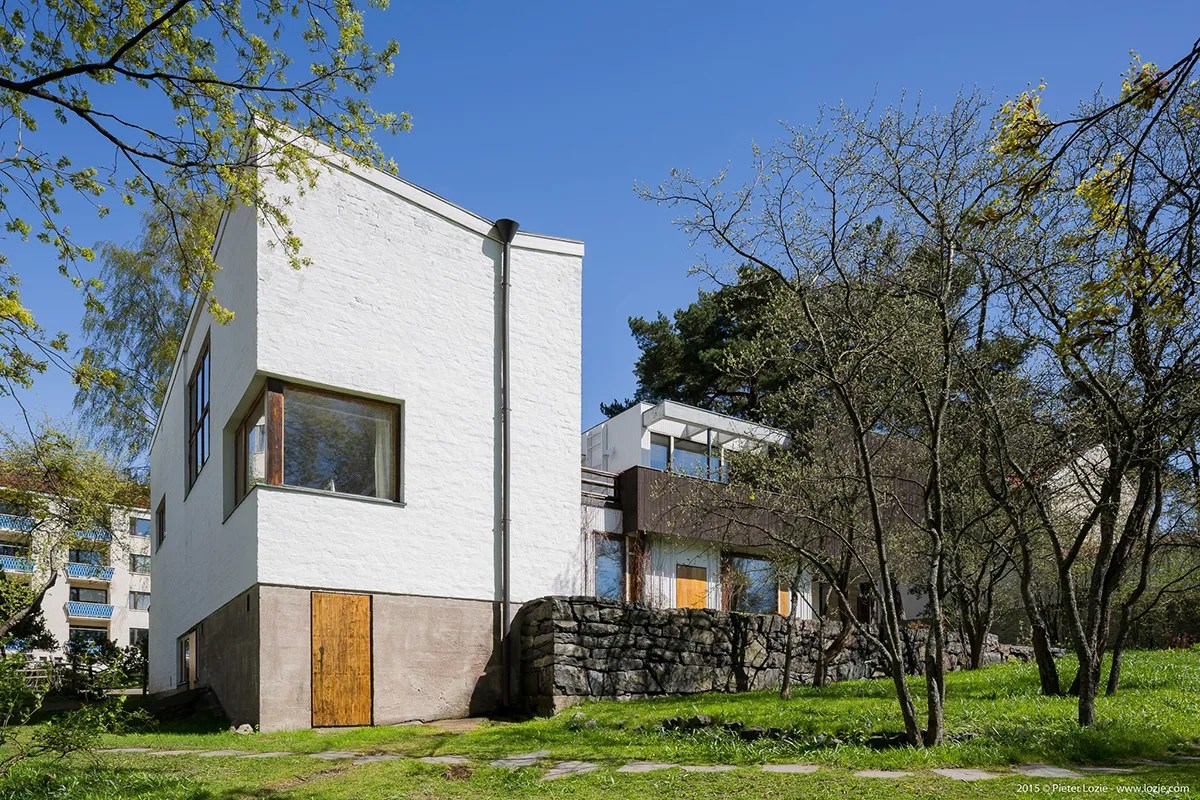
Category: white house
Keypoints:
(358, 480)
(647, 536)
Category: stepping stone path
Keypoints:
(1108, 770)
(565, 768)
(791, 769)
(273, 754)
(881, 773)
(644, 766)
(966, 774)
(216, 753)
(707, 767)
(333, 755)
(445, 760)
(1046, 771)
(373, 759)
(176, 752)
(523, 760)
(127, 750)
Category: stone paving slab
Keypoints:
(218, 753)
(1108, 770)
(271, 754)
(966, 774)
(1046, 771)
(175, 752)
(645, 766)
(707, 767)
(375, 758)
(333, 755)
(881, 773)
(564, 769)
(444, 760)
(522, 760)
(126, 750)
(791, 769)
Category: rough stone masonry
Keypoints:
(575, 648)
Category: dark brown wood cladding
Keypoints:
(274, 433)
(653, 501)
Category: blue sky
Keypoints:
(550, 112)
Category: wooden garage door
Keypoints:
(691, 586)
(341, 659)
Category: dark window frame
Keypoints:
(133, 605)
(74, 592)
(620, 539)
(727, 594)
(133, 557)
(133, 526)
(160, 523)
(198, 418)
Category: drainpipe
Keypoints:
(507, 229)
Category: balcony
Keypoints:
(12, 522)
(82, 610)
(18, 564)
(89, 572)
(666, 503)
(95, 535)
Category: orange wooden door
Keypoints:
(341, 659)
(691, 586)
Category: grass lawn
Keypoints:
(995, 716)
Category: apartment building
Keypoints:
(102, 590)
(650, 536)
(358, 480)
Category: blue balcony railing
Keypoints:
(16, 564)
(12, 522)
(95, 534)
(78, 608)
(93, 572)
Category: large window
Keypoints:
(198, 425)
(319, 440)
(686, 457)
(96, 558)
(139, 637)
(139, 526)
(751, 585)
(139, 601)
(82, 594)
(82, 638)
(18, 550)
(610, 566)
(660, 451)
(139, 563)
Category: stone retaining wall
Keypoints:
(575, 648)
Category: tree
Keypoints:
(135, 323)
(1102, 284)
(221, 99)
(64, 496)
(687, 356)
(869, 224)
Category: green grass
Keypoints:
(995, 715)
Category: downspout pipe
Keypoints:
(507, 229)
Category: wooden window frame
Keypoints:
(274, 398)
(197, 417)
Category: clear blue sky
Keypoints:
(549, 112)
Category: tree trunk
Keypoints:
(785, 685)
(1039, 637)
(1118, 651)
(21, 614)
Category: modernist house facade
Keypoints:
(358, 480)
(647, 534)
(102, 590)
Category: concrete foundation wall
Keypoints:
(433, 658)
(228, 656)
